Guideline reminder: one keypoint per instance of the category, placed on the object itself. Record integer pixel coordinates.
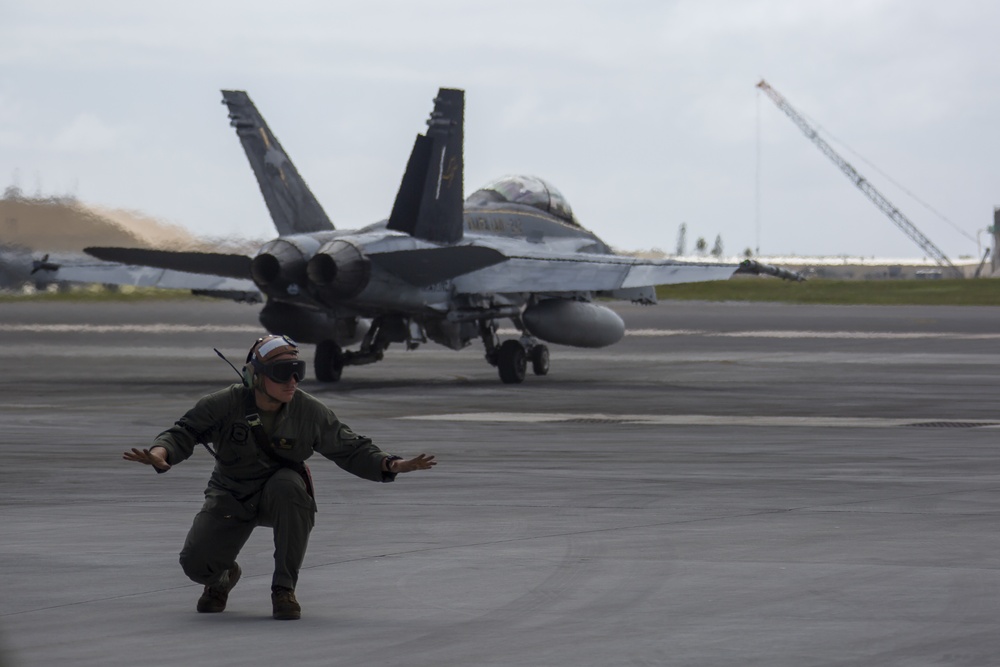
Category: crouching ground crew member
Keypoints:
(263, 430)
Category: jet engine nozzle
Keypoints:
(576, 323)
(279, 264)
(339, 269)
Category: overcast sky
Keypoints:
(643, 113)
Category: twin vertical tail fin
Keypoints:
(430, 199)
(293, 207)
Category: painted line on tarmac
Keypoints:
(861, 335)
(695, 420)
(843, 335)
(42, 350)
(888, 358)
(130, 328)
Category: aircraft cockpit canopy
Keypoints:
(527, 190)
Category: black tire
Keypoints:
(540, 360)
(512, 362)
(329, 361)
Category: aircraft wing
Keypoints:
(114, 273)
(209, 263)
(585, 272)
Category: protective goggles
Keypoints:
(283, 370)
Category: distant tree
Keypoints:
(717, 247)
(700, 245)
(682, 239)
(748, 252)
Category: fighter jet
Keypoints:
(21, 268)
(441, 267)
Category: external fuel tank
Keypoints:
(576, 323)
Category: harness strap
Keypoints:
(264, 445)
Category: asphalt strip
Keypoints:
(699, 420)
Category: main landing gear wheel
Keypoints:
(512, 362)
(329, 361)
(540, 359)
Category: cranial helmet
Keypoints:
(263, 352)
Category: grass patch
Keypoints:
(983, 292)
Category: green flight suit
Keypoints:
(248, 488)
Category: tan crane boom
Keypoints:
(884, 204)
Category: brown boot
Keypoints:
(213, 598)
(285, 606)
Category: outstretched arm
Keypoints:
(418, 462)
(155, 456)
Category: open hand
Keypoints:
(419, 462)
(155, 457)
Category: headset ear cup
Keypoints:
(248, 376)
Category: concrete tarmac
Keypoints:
(731, 484)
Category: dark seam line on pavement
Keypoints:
(810, 508)
(106, 599)
(551, 535)
(910, 497)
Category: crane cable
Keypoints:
(887, 176)
(841, 143)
